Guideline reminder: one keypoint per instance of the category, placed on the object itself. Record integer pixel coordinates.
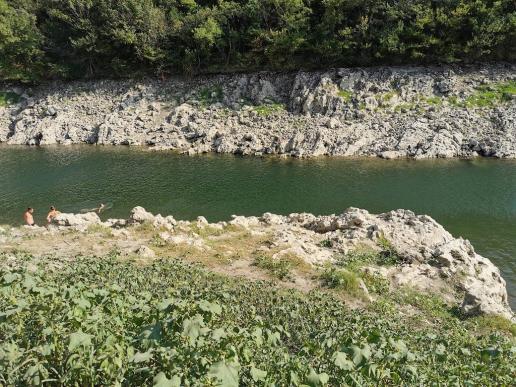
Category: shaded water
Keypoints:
(475, 199)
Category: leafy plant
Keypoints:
(278, 267)
(326, 243)
(107, 321)
(341, 279)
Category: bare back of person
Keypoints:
(28, 217)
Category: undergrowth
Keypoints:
(8, 98)
(106, 321)
(269, 109)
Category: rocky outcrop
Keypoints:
(386, 112)
(78, 221)
(429, 257)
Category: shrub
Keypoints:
(278, 267)
(341, 279)
(8, 98)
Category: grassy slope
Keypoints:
(108, 321)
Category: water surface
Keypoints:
(475, 199)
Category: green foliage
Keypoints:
(375, 283)
(494, 323)
(365, 256)
(20, 43)
(8, 98)
(431, 305)
(341, 279)
(348, 271)
(210, 95)
(278, 267)
(491, 95)
(346, 95)
(268, 109)
(85, 38)
(91, 321)
(326, 243)
(386, 97)
(436, 101)
(158, 241)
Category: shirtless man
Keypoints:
(28, 218)
(52, 214)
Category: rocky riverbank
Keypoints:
(378, 253)
(419, 112)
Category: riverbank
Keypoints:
(379, 299)
(365, 256)
(389, 112)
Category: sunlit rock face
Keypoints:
(384, 112)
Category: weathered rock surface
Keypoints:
(430, 258)
(417, 112)
(78, 221)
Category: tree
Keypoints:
(20, 44)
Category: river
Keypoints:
(475, 199)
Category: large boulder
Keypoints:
(78, 221)
(140, 215)
(432, 257)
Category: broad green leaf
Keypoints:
(341, 360)
(161, 380)
(360, 354)
(192, 327)
(257, 374)
(141, 357)
(83, 303)
(225, 373)
(79, 339)
(211, 307)
(9, 278)
(314, 379)
(163, 305)
(218, 334)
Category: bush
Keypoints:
(8, 98)
(341, 279)
(277, 267)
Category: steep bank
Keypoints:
(387, 112)
(366, 255)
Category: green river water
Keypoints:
(475, 199)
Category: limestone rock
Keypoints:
(145, 252)
(140, 215)
(379, 112)
(79, 221)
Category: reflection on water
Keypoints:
(475, 199)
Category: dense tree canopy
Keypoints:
(85, 38)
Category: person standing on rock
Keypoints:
(28, 217)
(52, 214)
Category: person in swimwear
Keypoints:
(100, 208)
(52, 214)
(28, 217)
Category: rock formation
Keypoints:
(386, 112)
(429, 257)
